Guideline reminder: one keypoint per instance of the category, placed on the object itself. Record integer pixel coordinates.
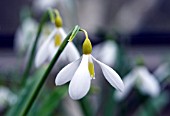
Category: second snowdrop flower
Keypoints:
(53, 42)
(143, 80)
(81, 71)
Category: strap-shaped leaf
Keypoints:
(26, 93)
(74, 33)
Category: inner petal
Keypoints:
(91, 67)
(58, 39)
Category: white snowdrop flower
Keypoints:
(7, 97)
(50, 46)
(81, 72)
(106, 52)
(143, 80)
(25, 35)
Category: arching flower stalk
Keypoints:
(81, 72)
(52, 43)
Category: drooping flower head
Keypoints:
(50, 46)
(143, 80)
(81, 71)
(24, 36)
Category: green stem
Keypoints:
(31, 57)
(86, 108)
(45, 75)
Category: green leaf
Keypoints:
(51, 14)
(26, 93)
(33, 49)
(50, 102)
(74, 33)
(86, 108)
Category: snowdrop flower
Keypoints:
(144, 81)
(52, 43)
(7, 97)
(81, 72)
(25, 34)
(106, 52)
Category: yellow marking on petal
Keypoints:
(91, 69)
(57, 40)
(87, 47)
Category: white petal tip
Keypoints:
(121, 87)
(76, 98)
(57, 82)
(111, 76)
(66, 74)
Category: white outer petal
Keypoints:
(111, 76)
(149, 85)
(80, 83)
(66, 74)
(72, 52)
(52, 50)
(162, 72)
(62, 32)
(43, 52)
(52, 34)
(106, 52)
(129, 81)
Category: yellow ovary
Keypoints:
(58, 21)
(87, 47)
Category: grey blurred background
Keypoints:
(124, 15)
